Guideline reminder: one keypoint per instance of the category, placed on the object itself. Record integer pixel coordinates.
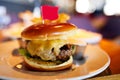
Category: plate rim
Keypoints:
(94, 72)
(91, 74)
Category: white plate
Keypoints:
(11, 67)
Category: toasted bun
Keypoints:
(40, 67)
(48, 32)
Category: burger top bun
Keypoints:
(48, 31)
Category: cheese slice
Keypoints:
(44, 48)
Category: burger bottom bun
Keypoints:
(32, 65)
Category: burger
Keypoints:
(49, 47)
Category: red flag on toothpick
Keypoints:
(49, 12)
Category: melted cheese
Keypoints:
(44, 48)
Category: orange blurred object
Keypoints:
(1, 36)
(113, 50)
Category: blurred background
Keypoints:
(99, 16)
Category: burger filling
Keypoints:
(50, 50)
